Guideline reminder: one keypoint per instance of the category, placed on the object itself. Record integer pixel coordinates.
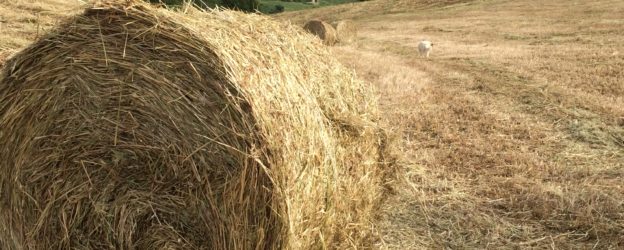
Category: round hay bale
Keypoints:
(136, 127)
(346, 31)
(323, 30)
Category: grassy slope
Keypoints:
(267, 5)
(367, 9)
(513, 132)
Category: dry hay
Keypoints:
(136, 127)
(346, 31)
(323, 30)
(4, 56)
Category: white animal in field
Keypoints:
(424, 48)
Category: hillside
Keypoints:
(367, 9)
(267, 6)
(512, 133)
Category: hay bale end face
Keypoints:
(346, 31)
(323, 30)
(136, 127)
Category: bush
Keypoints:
(278, 8)
(244, 5)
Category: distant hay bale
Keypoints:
(323, 30)
(346, 31)
(136, 127)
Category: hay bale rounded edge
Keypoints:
(136, 127)
(346, 31)
(5, 55)
(322, 30)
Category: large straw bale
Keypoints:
(323, 30)
(136, 127)
(346, 31)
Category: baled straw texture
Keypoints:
(136, 127)
(4, 56)
(346, 31)
(323, 30)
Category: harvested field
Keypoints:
(23, 21)
(512, 133)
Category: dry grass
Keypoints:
(513, 132)
(23, 21)
(364, 10)
(137, 127)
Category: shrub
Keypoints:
(278, 8)
(244, 5)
